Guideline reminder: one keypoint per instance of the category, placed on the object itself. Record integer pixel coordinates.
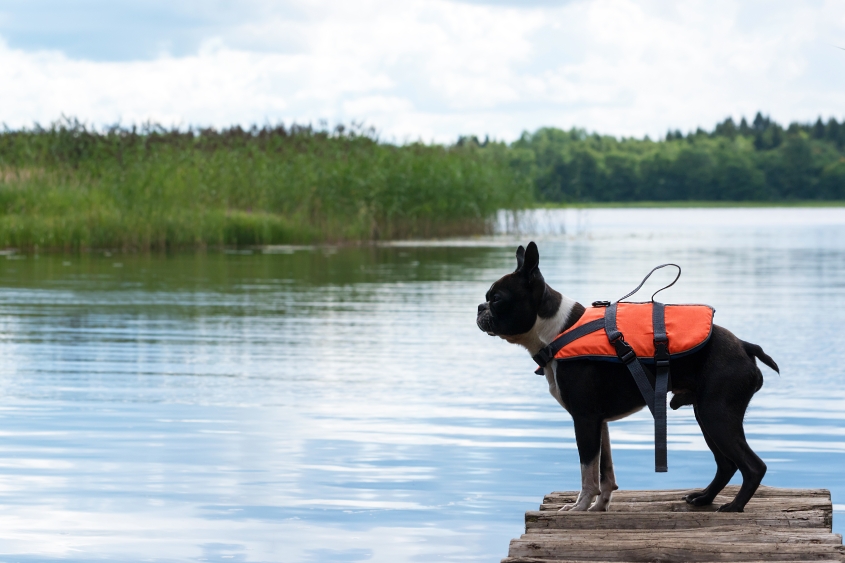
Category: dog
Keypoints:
(718, 380)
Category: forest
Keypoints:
(758, 161)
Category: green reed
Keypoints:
(70, 187)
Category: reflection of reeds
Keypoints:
(13, 176)
(70, 187)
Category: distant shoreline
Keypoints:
(71, 188)
(688, 204)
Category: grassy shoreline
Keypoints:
(68, 188)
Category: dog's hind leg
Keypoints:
(725, 469)
(607, 481)
(588, 433)
(725, 431)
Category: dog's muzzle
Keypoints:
(484, 320)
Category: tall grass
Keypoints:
(69, 187)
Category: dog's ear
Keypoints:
(531, 259)
(531, 270)
(520, 257)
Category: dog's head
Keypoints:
(516, 300)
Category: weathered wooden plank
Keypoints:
(654, 547)
(562, 497)
(758, 501)
(794, 504)
(546, 560)
(718, 535)
(675, 520)
(777, 525)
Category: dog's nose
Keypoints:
(482, 307)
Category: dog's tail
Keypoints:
(754, 351)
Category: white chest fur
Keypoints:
(549, 371)
(543, 332)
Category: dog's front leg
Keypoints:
(607, 482)
(588, 439)
(589, 487)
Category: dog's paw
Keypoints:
(577, 507)
(602, 502)
(692, 496)
(730, 507)
(698, 499)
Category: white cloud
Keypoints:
(436, 69)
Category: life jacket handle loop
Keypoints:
(648, 276)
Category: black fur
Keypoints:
(577, 311)
(718, 381)
(514, 302)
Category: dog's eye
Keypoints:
(496, 297)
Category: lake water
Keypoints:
(326, 404)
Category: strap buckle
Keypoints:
(624, 351)
(543, 357)
(661, 353)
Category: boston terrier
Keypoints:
(718, 380)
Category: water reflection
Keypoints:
(316, 404)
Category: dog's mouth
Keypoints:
(484, 321)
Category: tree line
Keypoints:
(756, 161)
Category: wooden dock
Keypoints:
(657, 526)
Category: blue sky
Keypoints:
(422, 69)
(128, 30)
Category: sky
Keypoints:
(427, 70)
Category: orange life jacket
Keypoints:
(688, 327)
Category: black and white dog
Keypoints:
(718, 380)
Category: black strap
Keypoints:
(547, 354)
(628, 357)
(658, 322)
(610, 322)
(661, 385)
